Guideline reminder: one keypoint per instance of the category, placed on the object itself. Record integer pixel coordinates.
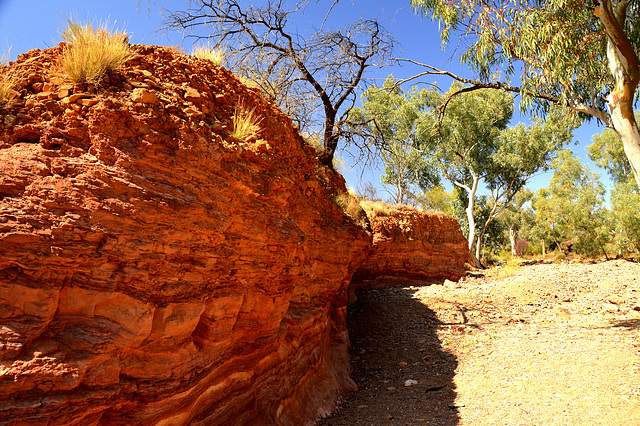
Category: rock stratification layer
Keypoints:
(156, 270)
(413, 246)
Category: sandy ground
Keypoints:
(546, 344)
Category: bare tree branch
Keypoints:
(326, 66)
(573, 101)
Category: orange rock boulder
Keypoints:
(156, 270)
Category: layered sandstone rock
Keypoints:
(412, 246)
(155, 270)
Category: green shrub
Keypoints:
(92, 53)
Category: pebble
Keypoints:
(616, 300)
(144, 96)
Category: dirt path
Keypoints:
(555, 344)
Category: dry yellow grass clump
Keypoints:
(246, 123)
(92, 53)
(210, 53)
(7, 83)
(380, 208)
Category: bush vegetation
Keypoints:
(7, 84)
(210, 53)
(380, 208)
(246, 123)
(352, 208)
(92, 53)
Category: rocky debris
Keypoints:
(413, 246)
(144, 96)
(535, 347)
(155, 270)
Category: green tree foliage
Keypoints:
(571, 209)
(464, 141)
(522, 152)
(625, 212)
(606, 151)
(582, 54)
(516, 216)
(437, 198)
(472, 144)
(387, 123)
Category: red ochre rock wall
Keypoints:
(156, 271)
(413, 246)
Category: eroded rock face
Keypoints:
(413, 246)
(154, 270)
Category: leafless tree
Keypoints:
(325, 65)
(367, 191)
(281, 82)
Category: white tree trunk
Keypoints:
(623, 64)
(627, 129)
(470, 207)
(471, 193)
(512, 239)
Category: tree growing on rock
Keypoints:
(582, 54)
(330, 64)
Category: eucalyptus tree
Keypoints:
(572, 207)
(606, 152)
(328, 64)
(578, 53)
(625, 216)
(464, 140)
(388, 121)
(473, 147)
(522, 152)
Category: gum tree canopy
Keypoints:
(579, 53)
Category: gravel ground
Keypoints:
(546, 344)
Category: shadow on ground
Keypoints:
(630, 324)
(394, 339)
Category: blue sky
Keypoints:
(29, 24)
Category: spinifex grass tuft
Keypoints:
(7, 84)
(93, 53)
(213, 54)
(246, 123)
